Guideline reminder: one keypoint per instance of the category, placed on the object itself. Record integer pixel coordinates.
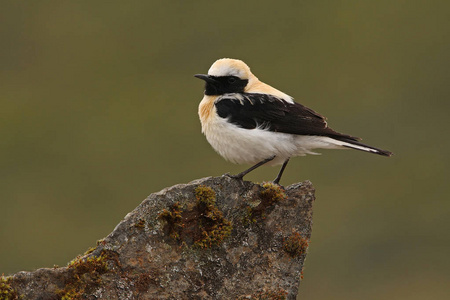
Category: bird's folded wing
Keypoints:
(253, 110)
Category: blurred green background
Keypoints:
(98, 108)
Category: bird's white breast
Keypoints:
(248, 146)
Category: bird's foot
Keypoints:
(277, 181)
(239, 176)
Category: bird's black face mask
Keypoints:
(216, 85)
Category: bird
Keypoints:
(249, 122)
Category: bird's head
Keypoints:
(227, 75)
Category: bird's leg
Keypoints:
(277, 180)
(242, 174)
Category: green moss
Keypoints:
(92, 263)
(89, 251)
(205, 195)
(269, 195)
(249, 216)
(214, 227)
(7, 292)
(271, 294)
(84, 273)
(201, 224)
(214, 235)
(295, 244)
(174, 219)
(272, 193)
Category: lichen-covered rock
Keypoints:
(214, 238)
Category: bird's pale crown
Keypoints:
(230, 67)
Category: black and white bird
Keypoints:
(249, 122)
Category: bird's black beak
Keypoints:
(207, 78)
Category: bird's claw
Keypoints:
(237, 176)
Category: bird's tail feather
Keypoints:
(354, 144)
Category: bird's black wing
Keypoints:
(252, 110)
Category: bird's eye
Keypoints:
(231, 80)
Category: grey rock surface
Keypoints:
(213, 238)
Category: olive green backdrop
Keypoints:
(98, 109)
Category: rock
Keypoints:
(214, 238)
